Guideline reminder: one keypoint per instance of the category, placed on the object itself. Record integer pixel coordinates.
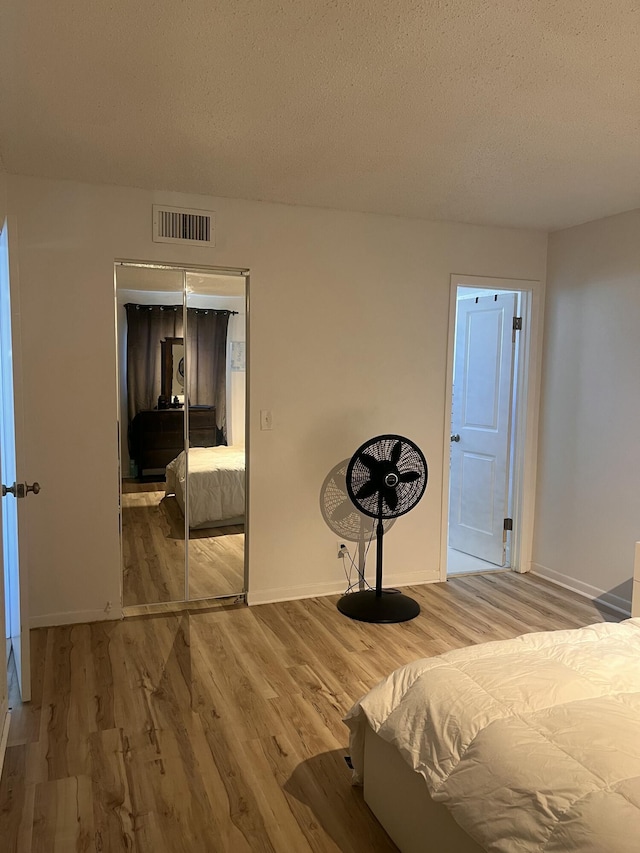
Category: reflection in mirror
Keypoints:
(215, 381)
(181, 369)
(149, 311)
(172, 385)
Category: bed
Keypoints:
(531, 744)
(216, 485)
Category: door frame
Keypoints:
(525, 425)
(187, 268)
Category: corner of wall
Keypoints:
(3, 196)
(593, 593)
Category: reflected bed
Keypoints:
(216, 485)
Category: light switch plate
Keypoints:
(266, 420)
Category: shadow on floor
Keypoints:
(323, 784)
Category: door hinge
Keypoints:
(508, 525)
(517, 327)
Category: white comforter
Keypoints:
(216, 484)
(532, 743)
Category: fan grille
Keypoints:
(387, 476)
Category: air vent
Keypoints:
(181, 225)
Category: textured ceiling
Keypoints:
(516, 112)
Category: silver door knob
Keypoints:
(455, 437)
(35, 488)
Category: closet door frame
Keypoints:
(241, 272)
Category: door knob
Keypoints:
(455, 437)
(20, 490)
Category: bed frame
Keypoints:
(399, 798)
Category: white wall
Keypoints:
(348, 339)
(236, 379)
(588, 500)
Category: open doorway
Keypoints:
(488, 400)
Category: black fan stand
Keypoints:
(379, 605)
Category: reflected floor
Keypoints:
(154, 550)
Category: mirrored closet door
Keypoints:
(214, 346)
(181, 340)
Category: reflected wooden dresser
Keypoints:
(157, 435)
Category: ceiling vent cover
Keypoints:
(182, 225)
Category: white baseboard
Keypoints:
(5, 719)
(316, 590)
(408, 579)
(614, 602)
(74, 617)
(293, 593)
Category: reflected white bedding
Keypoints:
(533, 744)
(216, 484)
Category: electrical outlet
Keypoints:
(342, 550)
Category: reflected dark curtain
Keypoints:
(206, 357)
(206, 353)
(147, 325)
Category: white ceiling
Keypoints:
(509, 112)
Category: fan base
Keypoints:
(389, 607)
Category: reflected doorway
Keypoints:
(182, 399)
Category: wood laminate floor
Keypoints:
(153, 547)
(221, 729)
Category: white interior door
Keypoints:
(481, 425)
(14, 595)
(4, 692)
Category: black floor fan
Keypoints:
(386, 478)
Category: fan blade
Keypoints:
(409, 476)
(370, 461)
(391, 499)
(367, 490)
(395, 453)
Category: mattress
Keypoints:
(532, 744)
(216, 484)
(400, 800)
